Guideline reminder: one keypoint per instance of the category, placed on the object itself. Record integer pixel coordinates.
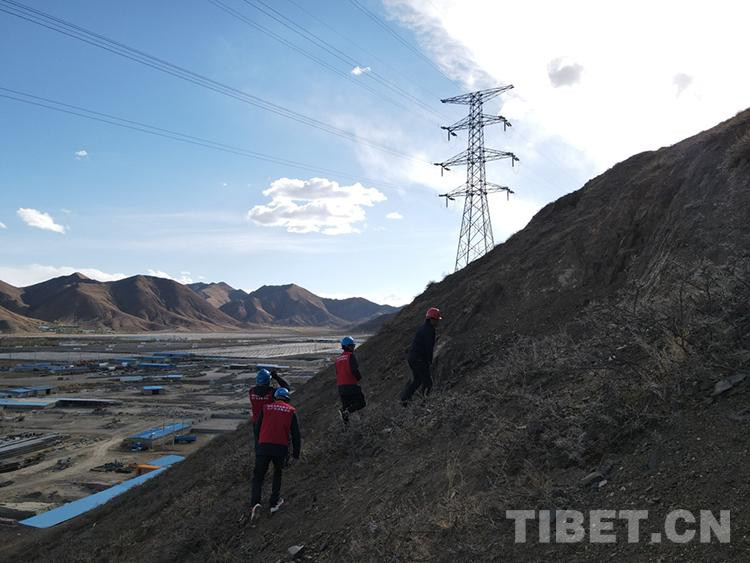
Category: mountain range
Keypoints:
(146, 303)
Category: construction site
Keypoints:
(80, 416)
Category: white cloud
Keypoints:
(681, 82)
(317, 205)
(81, 154)
(564, 73)
(21, 276)
(183, 278)
(358, 70)
(394, 215)
(39, 220)
(626, 90)
(3, 225)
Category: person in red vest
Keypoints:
(275, 423)
(347, 379)
(262, 393)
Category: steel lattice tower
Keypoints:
(475, 239)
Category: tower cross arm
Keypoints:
(492, 154)
(460, 158)
(481, 95)
(494, 188)
(468, 122)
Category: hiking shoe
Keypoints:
(275, 508)
(344, 416)
(255, 513)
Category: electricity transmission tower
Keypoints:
(476, 238)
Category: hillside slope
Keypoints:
(138, 303)
(218, 294)
(591, 340)
(13, 322)
(292, 305)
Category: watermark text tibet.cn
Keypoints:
(572, 526)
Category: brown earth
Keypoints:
(219, 293)
(13, 322)
(591, 340)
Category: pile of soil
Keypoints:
(593, 361)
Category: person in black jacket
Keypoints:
(420, 356)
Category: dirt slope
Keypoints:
(13, 322)
(11, 298)
(218, 294)
(591, 340)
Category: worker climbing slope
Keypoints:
(262, 393)
(348, 377)
(274, 426)
(420, 356)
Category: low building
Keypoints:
(156, 365)
(173, 377)
(153, 389)
(42, 390)
(86, 402)
(18, 392)
(19, 404)
(131, 378)
(157, 436)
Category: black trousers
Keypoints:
(352, 399)
(259, 473)
(420, 378)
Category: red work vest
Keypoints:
(344, 375)
(258, 401)
(277, 423)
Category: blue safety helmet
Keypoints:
(263, 377)
(347, 341)
(281, 393)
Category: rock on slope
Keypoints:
(585, 342)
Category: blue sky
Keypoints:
(80, 195)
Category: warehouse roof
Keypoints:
(78, 507)
(159, 431)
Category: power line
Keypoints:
(345, 75)
(321, 43)
(367, 52)
(76, 32)
(374, 17)
(142, 127)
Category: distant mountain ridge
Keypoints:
(139, 303)
(147, 303)
(291, 305)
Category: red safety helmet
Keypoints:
(433, 313)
